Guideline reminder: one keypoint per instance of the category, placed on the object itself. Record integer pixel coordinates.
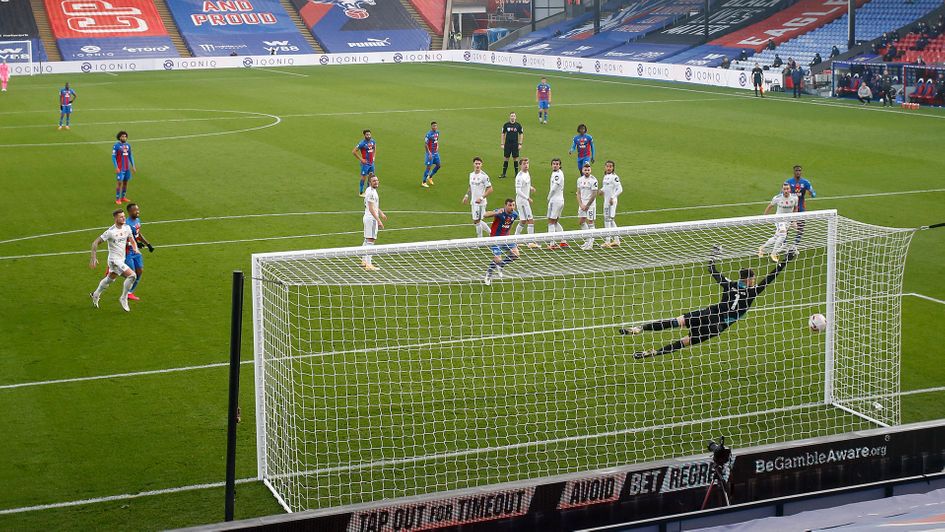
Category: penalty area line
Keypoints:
(122, 497)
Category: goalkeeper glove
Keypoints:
(791, 256)
(150, 247)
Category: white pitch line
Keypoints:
(927, 298)
(122, 497)
(277, 71)
(276, 120)
(310, 213)
(228, 217)
(413, 346)
(157, 121)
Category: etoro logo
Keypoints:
(398, 57)
(640, 69)
(168, 65)
(323, 59)
(688, 73)
(86, 67)
(742, 79)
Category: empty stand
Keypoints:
(45, 30)
(108, 30)
(171, 28)
(431, 15)
(300, 25)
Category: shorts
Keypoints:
(524, 209)
(478, 210)
(116, 266)
(610, 211)
(590, 214)
(581, 161)
(781, 228)
(432, 159)
(704, 324)
(123, 175)
(499, 249)
(511, 150)
(757, 83)
(366, 169)
(65, 109)
(135, 261)
(554, 209)
(544, 105)
(370, 226)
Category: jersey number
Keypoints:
(735, 301)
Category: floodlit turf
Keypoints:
(234, 143)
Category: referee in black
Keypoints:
(512, 137)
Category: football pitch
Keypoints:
(127, 412)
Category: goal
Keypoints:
(18, 52)
(421, 378)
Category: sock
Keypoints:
(484, 227)
(518, 228)
(103, 284)
(607, 226)
(552, 227)
(361, 187)
(367, 258)
(479, 230)
(124, 188)
(531, 229)
(506, 260)
(558, 225)
(778, 242)
(60, 120)
(515, 165)
(426, 173)
(126, 287)
(137, 280)
(671, 323)
(505, 167)
(583, 226)
(118, 192)
(435, 170)
(669, 348)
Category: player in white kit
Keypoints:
(611, 190)
(555, 201)
(785, 203)
(479, 188)
(373, 216)
(587, 192)
(523, 200)
(119, 237)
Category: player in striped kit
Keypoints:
(523, 199)
(587, 192)
(124, 163)
(584, 144)
(556, 201)
(431, 148)
(373, 216)
(66, 99)
(365, 152)
(479, 189)
(611, 190)
(785, 203)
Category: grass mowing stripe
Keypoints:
(410, 346)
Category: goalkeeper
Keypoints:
(709, 322)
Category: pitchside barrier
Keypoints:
(716, 77)
(767, 479)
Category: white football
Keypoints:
(817, 323)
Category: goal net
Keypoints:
(17, 52)
(420, 378)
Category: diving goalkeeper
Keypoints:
(711, 321)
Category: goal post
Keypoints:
(18, 52)
(420, 377)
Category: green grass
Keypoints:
(88, 439)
